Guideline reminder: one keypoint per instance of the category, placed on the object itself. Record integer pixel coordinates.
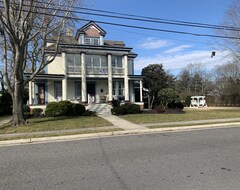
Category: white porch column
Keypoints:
(126, 83)
(64, 81)
(84, 83)
(141, 90)
(30, 100)
(110, 83)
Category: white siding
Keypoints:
(56, 67)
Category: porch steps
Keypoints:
(101, 109)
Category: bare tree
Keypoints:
(232, 30)
(25, 26)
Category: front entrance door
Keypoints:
(91, 90)
(41, 94)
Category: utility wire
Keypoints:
(138, 18)
(146, 18)
(137, 27)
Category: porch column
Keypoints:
(64, 81)
(141, 90)
(30, 100)
(126, 83)
(84, 84)
(110, 85)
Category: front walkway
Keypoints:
(5, 120)
(122, 123)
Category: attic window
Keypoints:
(91, 41)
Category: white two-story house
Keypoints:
(87, 68)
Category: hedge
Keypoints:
(126, 109)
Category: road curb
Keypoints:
(112, 134)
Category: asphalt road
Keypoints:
(205, 159)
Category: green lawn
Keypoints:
(56, 123)
(189, 115)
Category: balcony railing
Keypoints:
(117, 70)
(74, 70)
(97, 70)
(94, 70)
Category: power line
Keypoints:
(139, 18)
(138, 27)
(150, 19)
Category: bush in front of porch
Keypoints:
(124, 109)
(64, 108)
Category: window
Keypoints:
(96, 61)
(117, 61)
(121, 89)
(57, 89)
(87, 41)
(91, 41)
(73, 60)
(114, 88)
(77, 89)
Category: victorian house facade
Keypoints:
(87, 69)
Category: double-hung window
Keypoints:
(58, 90)
(91, 41)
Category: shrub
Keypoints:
(89, 113)
(175, 105)
(36, 112)
(65, 108)
(78, 109)
(132, 108)
(159, 109)
(115, 103)
(52, 110)
(126, 109)
(26, 111)
(121, 110)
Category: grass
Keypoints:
(59, 134)
(56, 123)
(189, 115)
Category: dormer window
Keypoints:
(91, 41)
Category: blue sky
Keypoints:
(174, 51)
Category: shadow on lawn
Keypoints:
(49, 119)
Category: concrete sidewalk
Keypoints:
(5, 120)
(119, 123)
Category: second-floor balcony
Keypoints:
(74, 70)
(94, 70)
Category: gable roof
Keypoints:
(86, 26)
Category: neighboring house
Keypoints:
(87, 69)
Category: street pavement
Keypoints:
(200, 159)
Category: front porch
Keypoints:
(96, 90)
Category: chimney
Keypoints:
(69, 32)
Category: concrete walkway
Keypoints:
(5, 120)
(122, 123)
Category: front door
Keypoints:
(41, 94)
(91, 90)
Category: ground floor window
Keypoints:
(121, 89)
(77, 89)
(57, 89)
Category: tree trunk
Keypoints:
(17, 97)
(152, 101)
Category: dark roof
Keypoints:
(83, 28)
(63, 40)
(114, 43)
